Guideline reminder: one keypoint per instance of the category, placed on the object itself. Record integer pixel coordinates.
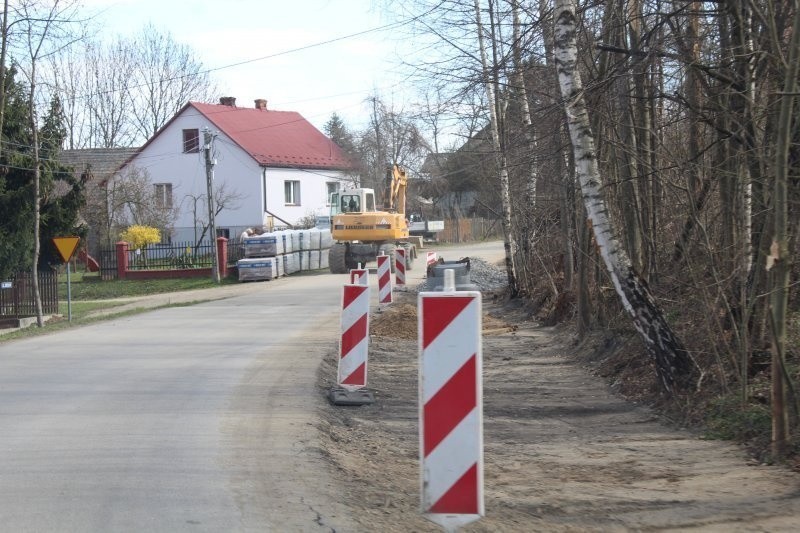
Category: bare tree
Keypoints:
(491, 84)
(47, 29)
(224, 198)
(132, 199)
(673, 363)
(167, 75)
(780, 257)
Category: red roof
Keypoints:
(275, 138)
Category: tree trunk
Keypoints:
(674, 366)
(509, 240)
(3, 51)
(780, 257)
(37, 203)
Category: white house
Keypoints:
(274, 167)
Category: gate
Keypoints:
(108, 264)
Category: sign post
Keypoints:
(66, 247)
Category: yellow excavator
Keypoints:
(361, 232)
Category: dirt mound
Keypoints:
(399, 321)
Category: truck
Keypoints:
(361, 231)
(422, 227)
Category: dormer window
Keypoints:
(191, 141)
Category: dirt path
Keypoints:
(561, 452)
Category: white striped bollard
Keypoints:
(431, 258)
(359, 276)
(353, 345)
(451, 405)
(384, 280)
(400, 267)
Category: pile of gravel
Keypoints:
(485, 276)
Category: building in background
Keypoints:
(271, 168)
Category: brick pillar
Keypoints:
(122, 259)
(222, 254)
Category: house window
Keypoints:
(291, 192)
(333, 187)
(191, 141)
(163, 195)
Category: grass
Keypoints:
(727, 419)
(89, 287)
(89, 294)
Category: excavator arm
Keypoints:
(396, 184)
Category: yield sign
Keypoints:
(66, 246)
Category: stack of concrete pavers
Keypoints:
(290, 251)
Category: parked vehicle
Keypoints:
(362, 232)
(422, 227)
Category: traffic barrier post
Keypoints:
(431, 258)
(384, 280)
(359, 276)
(451, 405)
(354, 341)
(400, 267)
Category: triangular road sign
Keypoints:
(66, 246)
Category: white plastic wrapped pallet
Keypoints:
(285, 241)
(291, 263)
(310, 239)
(262, 246)
(325, 239)
(314, 259)
(305, 260)
(255, 269)
(295, 236)
(323, 259)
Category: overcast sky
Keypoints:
(333, 77)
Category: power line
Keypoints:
(392, 25)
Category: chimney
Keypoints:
(261, 104)
(228, 101)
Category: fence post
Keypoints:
(222, 254)
(122, 259)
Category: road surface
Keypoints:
(196, 418)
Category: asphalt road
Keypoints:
(197, 418)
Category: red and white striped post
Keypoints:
(353, 346)
(451, 405)
(431, 258)
(359, 276)
(384, 280)
(400, 267)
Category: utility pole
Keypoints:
(208, 139)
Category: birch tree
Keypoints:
(674, 366)
(47, 30)
(490, 80)
(779, 260)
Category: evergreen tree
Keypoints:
(16, 186)
(63, 194)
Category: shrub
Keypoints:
(140, 236)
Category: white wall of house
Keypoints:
(247, 184)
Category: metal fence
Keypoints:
(172, 256)
(19, 299)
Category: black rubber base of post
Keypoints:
(339, 396)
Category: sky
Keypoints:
(323, 78)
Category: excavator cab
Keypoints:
(353, 201)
